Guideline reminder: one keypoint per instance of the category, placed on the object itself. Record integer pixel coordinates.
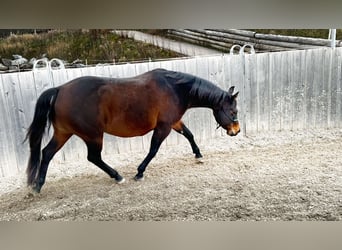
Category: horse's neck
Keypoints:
(205, 94)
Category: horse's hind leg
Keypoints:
(182, 129)
(94, 156)
(56, 142)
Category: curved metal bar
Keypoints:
(231, 52)
(252, 51)
(59, 62)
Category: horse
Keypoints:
(90, 106)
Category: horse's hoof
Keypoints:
(32, 192)
(198, 156)
(137, 178)
(199, 160)
(120, 181)
(30, 195)
(36, 189)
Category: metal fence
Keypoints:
(278, 91)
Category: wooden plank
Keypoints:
(89, 71)
(262, 66)
(8, 151)
(164, 64)
(233, 72)
(101, 70)
(320, 94)
(59, 77)
(73, 74)
(114, 71)
(328, 84)
(18, 113)
(190, 66)
(333, 87)
(298, 65)
(251, 93)
(28, 101)
(287, 92)
(28, 96)
(154, 65)
(42, 80)
(310, 97)
(289, 39)
(339, 91)
(295, 39)
(234, 38)
(14, 109)
(244, 33)
(141, 68)
(275, 91)
(225, 72)
(338, 80)
(128, 70)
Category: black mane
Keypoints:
(201, 92)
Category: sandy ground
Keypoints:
(280, 176)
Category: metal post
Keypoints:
(332, 34)
(243, 61)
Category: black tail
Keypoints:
(43, 114)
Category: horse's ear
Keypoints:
(231, 90)
(236, 95)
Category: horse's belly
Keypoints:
(128, 130)
(127, 133)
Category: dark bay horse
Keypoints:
(126, 107)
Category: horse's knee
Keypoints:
(94, 152)
(93, 158)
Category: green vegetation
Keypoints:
(95, 46)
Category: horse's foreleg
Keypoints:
(182, 129)
(159, 135)
(94, 156)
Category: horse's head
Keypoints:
(226, 113)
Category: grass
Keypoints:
(95, 46)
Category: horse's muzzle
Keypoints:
(233, 129)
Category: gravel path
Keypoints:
(280, 176)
